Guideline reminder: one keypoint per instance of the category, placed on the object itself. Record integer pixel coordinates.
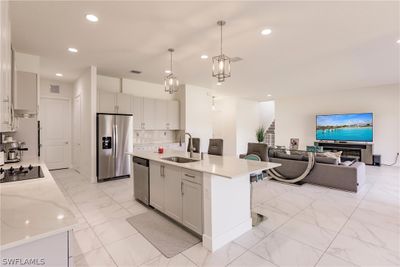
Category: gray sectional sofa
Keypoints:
(326, 172)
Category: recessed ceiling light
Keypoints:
(59, 74)
(269, 95)
(72, 50)
(92, 18)
(167, 71)
(266, 31)
(398, 41)
(204, 56)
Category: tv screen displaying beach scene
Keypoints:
(345, 127)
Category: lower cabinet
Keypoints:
(192, 206)
(157, 185)
(177, 193)
(173, 193)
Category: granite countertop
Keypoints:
(32, 209)
(226, 166)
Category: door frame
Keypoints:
(73, 166)
(69, 137)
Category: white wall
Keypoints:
(197, 106)
(86, 87)
(295, 117)
(66, 88)
(145, 89)
(224, 123)
(235, 120)
(267, 113)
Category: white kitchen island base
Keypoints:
(210, 195)
(226, 209)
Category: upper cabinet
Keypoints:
(137, 108)
(107, 102)
(26, 92)
(6, 122)
(173, 115)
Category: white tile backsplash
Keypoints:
(154, 137)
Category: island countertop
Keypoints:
(32, 209)
(226, 166)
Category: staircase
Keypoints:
(270, 134)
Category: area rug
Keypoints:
(168, 237)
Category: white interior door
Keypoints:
(55, 117)
(76, 133)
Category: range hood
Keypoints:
(24, 113)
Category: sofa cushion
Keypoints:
(327, 160)
(283, 155)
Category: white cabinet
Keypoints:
(173, 115)
(173, 192)
(157, 185)
(124, 104)
(26, 93)
(137, 109)
(167, 114)
(5, 68)
(149, 115)
(107, 102)
(177, 192)
(161, 110)
(192, 206)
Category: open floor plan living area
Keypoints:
(199, 133)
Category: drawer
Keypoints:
(192, 176)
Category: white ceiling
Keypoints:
(314, 46)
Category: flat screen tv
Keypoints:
(345, 127)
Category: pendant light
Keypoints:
(171, 82)
(221, 63)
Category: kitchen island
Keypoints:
(36, 221)
(210, 196)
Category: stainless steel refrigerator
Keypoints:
(114, 140)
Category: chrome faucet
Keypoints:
(190, 144)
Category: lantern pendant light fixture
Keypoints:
(221, 63)
(171, 82)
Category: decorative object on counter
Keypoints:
(221, 68)
(171, 82)
(260, 134)
(13, 150)
(216, 147)
(294, 143)
(161, 150)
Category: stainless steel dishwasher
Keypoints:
(141, 180)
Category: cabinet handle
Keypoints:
(190, 176)
(182, 188)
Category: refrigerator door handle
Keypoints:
(114, 148)
(116, 140)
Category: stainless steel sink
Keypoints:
(180, 159)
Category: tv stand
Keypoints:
(361, 151)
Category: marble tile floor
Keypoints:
(307, 226)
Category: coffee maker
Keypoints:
(13, 150)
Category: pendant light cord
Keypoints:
(221, 38)
(171, 62)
